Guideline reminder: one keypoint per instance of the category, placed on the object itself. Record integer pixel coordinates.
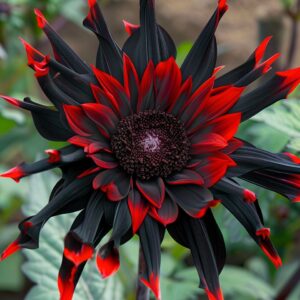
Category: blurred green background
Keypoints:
(248, 274)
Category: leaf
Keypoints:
(43, 264)
(283, 116)
(11, 278)
(284, 275)
(237, 281)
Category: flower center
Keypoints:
(150, 144)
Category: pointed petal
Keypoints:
(109, 56)
(138, 208)
(193, 199)
(153, 190)
(201, 60)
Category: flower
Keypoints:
(151, 147)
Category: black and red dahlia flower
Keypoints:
(151, 147)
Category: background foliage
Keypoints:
(248, 275)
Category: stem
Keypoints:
(142, 292)
(294, 36)
(290, 286)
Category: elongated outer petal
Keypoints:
(201, 60)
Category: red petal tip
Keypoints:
(292, 157)
(292, 79)
(214, 203)
(11, 100)
(249, 196)
(153, 284)
(41, 20)
(92, 3)
(218, 69)
(130, 28)
(214, 296)
(264, 233)
(268, 63)
(85, 253)
(261, 49)
(223, 6)
(296, 199)
(10, 250)
(274, 257)
(15, 173)
(66, 287)
(108, 263)
(54, 156)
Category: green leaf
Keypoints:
(243, 284)
(43, 264)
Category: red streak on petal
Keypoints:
(85, 253)
(214, 296)
(292, 79)
(201, 213)
(66, 287)
(15, 173)
(214, 203)
(261, 49)
(275, 259)
(249, 196)
(108, 265)
(217, 70)
(268, 63)
(12, 101)
(292, 156)
(130, 28)
(92, 3)
(138, 214)
(88, 172)
(10, 250)
(153, 284)
(223, 6)
(41, 20)
(54, 156)
(296, 199)
(264, 233)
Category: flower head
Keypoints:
(151, 147)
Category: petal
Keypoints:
(78, 121)
(243, 70)
(186, 176)
(114, 183)
(105, 160)
(102, 116)
(201, 60)
(131, 82)
(213, 168)
(167, 214)
(150, 42)
(225, 126)
(46, 120)
(109, 55)
(153, 190)
(112, 86)
(130, 28)
(248, 216)
(209, 142)
(63, 53)
(138, 208)
(193, 199)
(167, 83)
(150, 239)
(108, 261)
(275, 89)
(146, 90)
(198, 236)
